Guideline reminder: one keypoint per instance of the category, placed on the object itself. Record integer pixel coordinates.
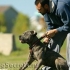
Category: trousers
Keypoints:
(68, 50)
(57, 41)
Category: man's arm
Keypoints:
(64, 15)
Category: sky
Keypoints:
(23, 6)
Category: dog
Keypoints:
(40, 52)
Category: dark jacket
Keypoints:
(60, 18)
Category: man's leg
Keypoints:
(68, 50)
(57, 41)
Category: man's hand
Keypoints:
(49, 34)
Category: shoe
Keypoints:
(46, 68)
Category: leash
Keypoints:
(39, 40)
(43, 37)
(36, 42)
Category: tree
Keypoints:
(2, 23)
(21, 24)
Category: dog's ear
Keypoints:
(33, 32)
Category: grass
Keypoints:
(16, 58)
(63, 49)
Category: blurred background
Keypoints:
(17, 16)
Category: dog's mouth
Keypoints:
(21, 41)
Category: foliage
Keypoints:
(21, 24)
(2, 23)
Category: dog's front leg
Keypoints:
(30, 60)
(38, 64)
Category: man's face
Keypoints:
(43, 10)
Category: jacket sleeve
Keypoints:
(64, 15)
(48, 22)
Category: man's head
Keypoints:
(42, 6)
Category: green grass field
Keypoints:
(16, 58)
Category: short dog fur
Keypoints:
(39, 52)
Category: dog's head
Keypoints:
(27, 36)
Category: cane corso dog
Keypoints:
(40, 52)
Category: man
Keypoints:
(57, 16)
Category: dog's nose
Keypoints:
(20, 37)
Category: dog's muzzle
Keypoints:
(21, 40)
